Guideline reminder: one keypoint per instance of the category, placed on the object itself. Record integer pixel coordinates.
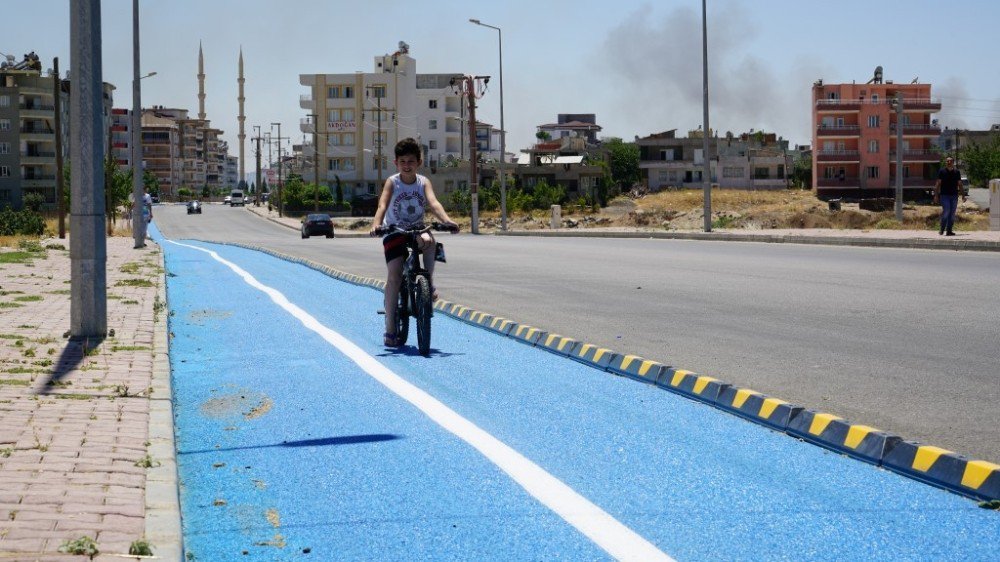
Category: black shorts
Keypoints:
(394, 246)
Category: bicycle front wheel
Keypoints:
(423, 309)
(403, 313)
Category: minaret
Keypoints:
(242, 117)
(201, 83)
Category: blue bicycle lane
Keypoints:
(289, 448)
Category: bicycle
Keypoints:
(415, 295)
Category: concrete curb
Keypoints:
(915, 243)
(163, 512)
(976, 479)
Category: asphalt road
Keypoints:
(904, 340)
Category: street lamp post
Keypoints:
(503, 132)
(138, 225)
(704, 144)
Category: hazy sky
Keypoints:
(636, 64)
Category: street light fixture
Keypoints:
(503, 131)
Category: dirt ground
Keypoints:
(731, 209)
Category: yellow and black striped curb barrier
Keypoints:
(935, 466)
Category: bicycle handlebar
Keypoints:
(418, 229)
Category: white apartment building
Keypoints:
(361, 116)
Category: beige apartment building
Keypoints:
(360, 116)
(183, 152)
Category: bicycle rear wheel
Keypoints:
(424, 308)
(403, 313)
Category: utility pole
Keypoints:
(378, 137)
(60, 186)
(259, 193)
(88, 248)
(315, 119)
(897, 103)
(473, 156)
(281, 205)
(468, 86)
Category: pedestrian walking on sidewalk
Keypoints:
(946, 190)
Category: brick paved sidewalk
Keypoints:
(86, 435)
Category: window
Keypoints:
(4, 101)
(375, 162)
(840, 121)
(662, 176)
(333, 115)
(873, 146)
(432, 124)
(347, 139)
(377, 91)
(4, 124)
(874, 98)
(432, 144)
(732, 172)
(873, 121)
(333, 140)
(667, 155)
(4, 148)
(348, 163)
(4, 172)
(432, 104)
(347, 114)
(761, 174)
(333, 92)
(872, 172)
(348, 92)
(4, 195)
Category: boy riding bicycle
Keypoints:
(405, 197)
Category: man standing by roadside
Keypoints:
(946, 190)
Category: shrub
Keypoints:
(24, 222)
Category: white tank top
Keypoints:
(406, 207)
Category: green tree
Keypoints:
(151, 183)
(293, 193)
(340, 191)
(206, 192)
(546, 195)
(543, 136)
(981, 162)
(117, 188)
(623, 162)
(802, 172)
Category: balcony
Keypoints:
(914, 182)
(921, 104)
(917, 130)
(917, 155)
(37, 110)
(306, 102)
(846, 182)
(835, 131)
(848, 156)
(38, 181)
(32, 132)
(827, 106)
(38, 157)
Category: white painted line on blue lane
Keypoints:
(593, 522)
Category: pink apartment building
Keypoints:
(854, 138)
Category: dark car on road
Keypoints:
(364, 205)
(194, 207)
(316, 224)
